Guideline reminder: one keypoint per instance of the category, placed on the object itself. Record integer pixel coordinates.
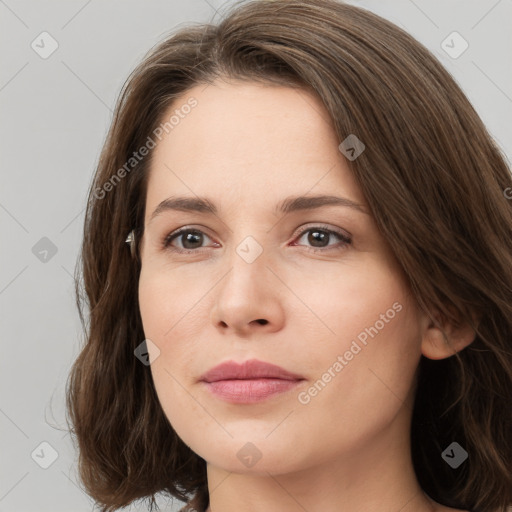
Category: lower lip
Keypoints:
(249, 390)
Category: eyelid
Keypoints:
(324, 227)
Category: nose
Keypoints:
(248, 299)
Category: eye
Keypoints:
(319, 237)
(191, 240)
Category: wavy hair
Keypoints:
(436, 184)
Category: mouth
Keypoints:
(249, 382)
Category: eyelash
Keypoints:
(345, 240)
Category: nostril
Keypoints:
(262, 321)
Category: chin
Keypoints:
(253, 455)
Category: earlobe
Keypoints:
(442, 338)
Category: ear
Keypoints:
(459, 334)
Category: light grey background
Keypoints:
(55, 113)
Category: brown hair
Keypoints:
(434, 180)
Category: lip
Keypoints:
(248, 382)
(251, 369)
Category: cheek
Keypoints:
(370, 346)
(348, 301)
(169, 303)
(151, 301)
(172, 316)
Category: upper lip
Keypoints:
(252, 369)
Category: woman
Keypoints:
(313, 310)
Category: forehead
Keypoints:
(251, 144)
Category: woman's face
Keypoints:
(283, 288)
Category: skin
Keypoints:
(246, 146)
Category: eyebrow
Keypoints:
(287, 205)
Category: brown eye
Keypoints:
(319, 238)
(190, 239)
